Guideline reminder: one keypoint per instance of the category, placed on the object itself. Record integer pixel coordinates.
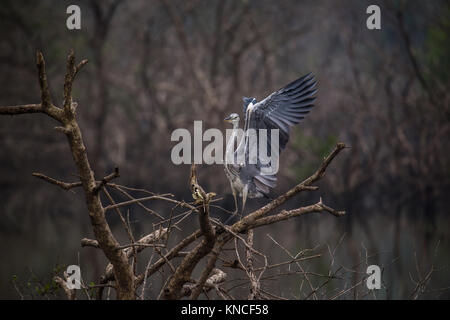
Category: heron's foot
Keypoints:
(235, 213)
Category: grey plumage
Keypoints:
(280, 110)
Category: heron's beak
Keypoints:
(227, 119)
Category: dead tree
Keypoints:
(212, 235)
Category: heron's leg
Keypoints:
(235, 203)
(235, 199)
(244, 198)
(236, 208)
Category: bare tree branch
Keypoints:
(71, 293)
(46, 100)
(247, 222)
(64, 185)
(66, 117)
(184, 271)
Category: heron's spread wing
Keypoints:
(285, 107)
(280, 110)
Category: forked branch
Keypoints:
(69, 126)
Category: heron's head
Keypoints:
(232, 118)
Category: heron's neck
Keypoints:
(229, 151)
(246, 126)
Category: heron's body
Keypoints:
(279, 111)
(239, 178)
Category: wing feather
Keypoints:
(280, 110)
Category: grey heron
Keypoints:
(280, 110)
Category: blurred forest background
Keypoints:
(155, 66)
